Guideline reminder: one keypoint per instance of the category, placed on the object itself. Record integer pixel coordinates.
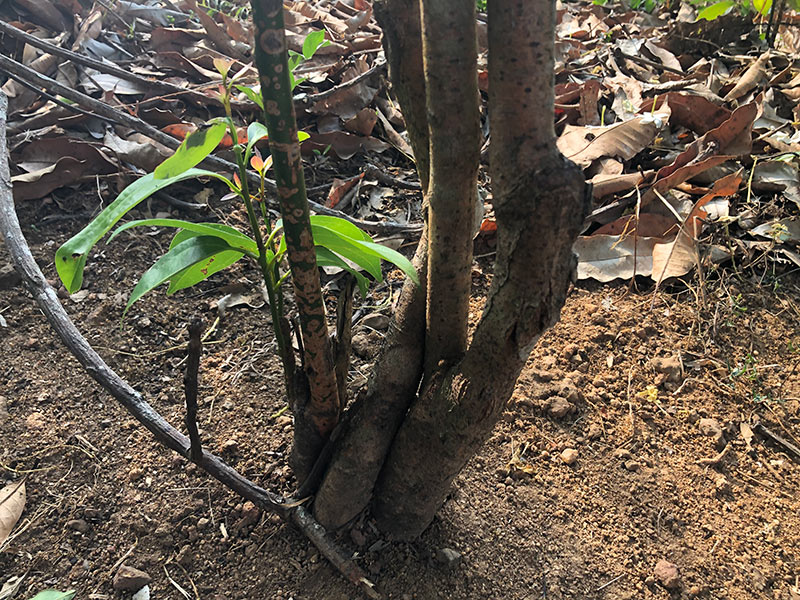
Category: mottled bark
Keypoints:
(317, 413)
(449, 47)
(539, 200)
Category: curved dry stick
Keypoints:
(102, 109)
(165, 433)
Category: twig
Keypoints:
(386, 179)
(122, 391)
(56, 100)
(122, 118)
(715, 460)
(651, 63)
(605, 585)
(781, 441)
(379, 65)
(190, 385)
(163, 87)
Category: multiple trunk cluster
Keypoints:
(434, 395)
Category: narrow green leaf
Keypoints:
(54, 595)
(394, 257)
(716, 10)
(341, 226)
(313, 42)
(253, 95)
(192, 151)
(348, 248)
(326, 258)
(202, 270)
(71, 256)
(233, 237)
(186, 254)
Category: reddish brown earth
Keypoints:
(526, 524)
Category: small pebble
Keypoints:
(569, 456)
(667, 574)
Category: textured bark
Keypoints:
(539, 199)
(402, 41)
(317, 413)
(449, 47)
(361, 448)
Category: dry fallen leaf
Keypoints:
(582, 145)
(12, 503)
(679, 256)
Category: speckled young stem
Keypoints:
(315, 417)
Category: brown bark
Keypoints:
(361, 448)
(449, 46)
(317, 413)
(539, 199)
(402, 41)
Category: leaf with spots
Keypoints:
(202, 253)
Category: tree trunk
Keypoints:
(361, 448)
(449, 47)
(540, 200)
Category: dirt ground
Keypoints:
(640, 392)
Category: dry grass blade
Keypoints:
(12, 503)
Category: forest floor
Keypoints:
(648, 387)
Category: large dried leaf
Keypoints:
(731, 138)
(609, 257)
(750, 79)
(12, 503)
(583, 145)
(678, 257)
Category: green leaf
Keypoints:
(762, 6)
(202, 270)
(348, 248)
(313, 42)
(255, 131)
(195, 250)
(54, 595)
(351, 243)
(342, 226)
(326, 258)
(233, 237)
(192, 151)
(253, 95)
(716, 10)
(71, 256)
(394, 257)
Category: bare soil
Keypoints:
(526, 524)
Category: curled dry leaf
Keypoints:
(678, 257)
(12, 503)
(583, 145)
(754, 75)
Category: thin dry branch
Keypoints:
(133, 402)
(104, 110)
(163, 87)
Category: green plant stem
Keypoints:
(275, 307)
(317, 415)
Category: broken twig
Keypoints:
(194, 349)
